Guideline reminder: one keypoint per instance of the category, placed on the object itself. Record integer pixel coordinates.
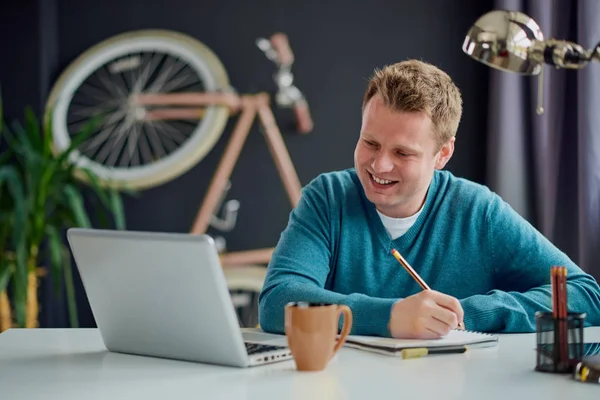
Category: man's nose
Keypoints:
(382, 163)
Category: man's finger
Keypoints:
(451, 303)
(437, 326)
(446, 317)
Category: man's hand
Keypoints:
(426, 315)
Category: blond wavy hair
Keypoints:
(416, 86)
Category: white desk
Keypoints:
(74, 364)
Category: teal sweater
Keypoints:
(467, 242)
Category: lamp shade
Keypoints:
(503, 40)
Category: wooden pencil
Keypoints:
(410, 270)
(415, 276)
(563, 321)
(554, 286)
(560, 312)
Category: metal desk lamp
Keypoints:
(512, 41)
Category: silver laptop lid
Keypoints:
(159, 294)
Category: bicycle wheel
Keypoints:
(124, 149)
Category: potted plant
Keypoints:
(41, 196)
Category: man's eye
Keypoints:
(370, 144)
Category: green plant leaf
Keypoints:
(70, 289)
(19, 157)
(79, 139)
(117, 209)
(19, 282)
(52, 179)
(47, 135)
(101, 212)
(63, 217)
(5, 273)
(9, 175)
(55, 249)
(75, 202)
(6, 155)
(95, 184)
(31, 163)
(32, 129)
(13, 145)
(40, 196)
(5, 231)
(21, 137)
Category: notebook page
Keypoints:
(454, 338)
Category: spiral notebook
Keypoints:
(454, 339)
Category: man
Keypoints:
(486, 265)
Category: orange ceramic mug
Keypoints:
(311, 330)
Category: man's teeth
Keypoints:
(381, 181)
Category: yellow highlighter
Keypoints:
(419, 352)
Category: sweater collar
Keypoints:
(377, 226)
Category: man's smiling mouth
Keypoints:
(381, 181)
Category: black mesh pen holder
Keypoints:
(559, 341)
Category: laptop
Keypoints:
(164, 295)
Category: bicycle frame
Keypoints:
(249, 106)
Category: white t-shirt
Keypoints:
(397, 227)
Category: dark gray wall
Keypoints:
(337, 44)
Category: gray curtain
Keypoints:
(548, 166)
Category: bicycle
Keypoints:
(163, 99)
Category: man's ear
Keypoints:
(445, 153)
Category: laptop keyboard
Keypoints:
(254, 348)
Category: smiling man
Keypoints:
(487, 267)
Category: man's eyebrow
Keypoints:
(368, 136)
(408, 149)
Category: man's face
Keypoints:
(395, 157)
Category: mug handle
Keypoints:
(345, 310)
(287, 324)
